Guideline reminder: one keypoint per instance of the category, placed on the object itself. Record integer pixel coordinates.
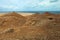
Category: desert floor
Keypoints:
(24, 14)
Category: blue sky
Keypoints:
(29, 5)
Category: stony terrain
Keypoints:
(11, 20)
(33, 27)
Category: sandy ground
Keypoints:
(24, 14)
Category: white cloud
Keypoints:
(9, 7)
(30, 5)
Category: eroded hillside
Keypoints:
(35, 27)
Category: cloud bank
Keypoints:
(29, 5)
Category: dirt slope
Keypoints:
(38, 27)
(11, 20)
